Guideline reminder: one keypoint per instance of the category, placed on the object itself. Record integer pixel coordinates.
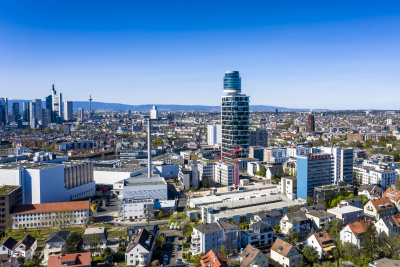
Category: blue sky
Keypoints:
(297, 54)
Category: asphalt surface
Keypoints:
(169, 248)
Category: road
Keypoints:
(169, 248)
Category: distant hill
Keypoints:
(125, 107)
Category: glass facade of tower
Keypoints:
(234, 116)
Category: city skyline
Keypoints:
(177, 55)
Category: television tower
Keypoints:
(90, 106)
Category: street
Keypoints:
(170, 249)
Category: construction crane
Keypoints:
(236, 152)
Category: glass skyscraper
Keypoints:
(234, 116)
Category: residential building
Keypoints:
(256, 152)
(214, 235)
(275, 155)
(50, 214)
(394, 195)
(272, 218)
(293, 152)
(370, 191)
(355, 202)
(234, 116)
(273, 171)
(354, 232)
(259, 234)
(285, 254)
(133, 231)
(7, 261)
(258, 138)
(10, 195)
(371, 175)
(189, 175)
(25, 248)
(288, 187)
(298, 221)
(389, 225)
(214, 134)
(348, 214)
(342, 160)
(140, 250)
(379, 208)
(319, 218)
(321, 191)
(252, 256)
(323, 243)
(313, 171)
(213, 259)
(55, 243)
(82, 259)
(136, 208)
(224, 172)
(95, 239)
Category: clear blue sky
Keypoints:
(298, 54)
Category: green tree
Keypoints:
(369, 242)
(74, 242)
(334, 203)
(335, 226)
(311, 254)
(157, 142)
(290, 236)
(223, 251)
(310, 201)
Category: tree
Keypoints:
(290, 236)
(369, 243)
(35, 234)
(179, 218)
(310, 202)
(223, 251)
(334, 203)
(397, 183)
(311, 254)
(157, 142)
(74, 242)
(335, 227)
(155, 263)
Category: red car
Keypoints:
(268, 250)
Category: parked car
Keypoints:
(165, 258)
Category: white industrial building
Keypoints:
(47, 183)
(224, 173)
(136, 187)
(135, 208)
(189, 176)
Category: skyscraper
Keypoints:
(25, 111)
(56, 102)
(38, 110)
(81, 113)
(258, 137)
(310, 123)
(3, 110)
(32, 115)
(15, 110)
(234, 116)
(68, 111)
(214, 134)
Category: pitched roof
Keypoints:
(359, 228)
(10, 243)
(145, 239)
(382, 203)
(324, 239)
(56, 237)
(227, 226)
(50, 207)
(296, 217)
(81, 259)
(314, 207)
(352, 200)
(28, 241)
(268, 214)
(7, 261)
(213, 259)
(249, 254)
(392, 194)
(282, 247)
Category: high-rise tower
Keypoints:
(90, 107)
(234, 116)
(56, 104)
(310, 123)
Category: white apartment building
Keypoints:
(135, 208)
(140, 251)
(342, 163)
(50, 214)
(214, 134)
(367, 175)
(189, 176)
(224, 173)
(275, 155)
(293, 152)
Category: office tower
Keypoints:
(3, 110)
(25, 112)
(342, 163)
(313, 170)
(234, 116)
(256, 152)
(214, 134)
(310, 123)
(15, 110)
(49, 106)
(38, 110)
(276, 112)
(56, 101)
(46, 116)
(81, 113)
(68, 111)
(33, 122)
(258, 138)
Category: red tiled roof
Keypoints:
(217, 259)
(382, 201)
(81, 259)
(50, 207)
(392, 194)
(359, 228)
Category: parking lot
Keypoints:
(170, 248)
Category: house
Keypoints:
(95, 239)
(55, 243)
(133, 231)
(252, 256)
(213, 259)
(285, 254)
(348, 214)
(319, 218)
(270, 217)
(25, 247)
(8, 246)
(214, 235)
(260, 234)
(370, 191)
(296, 220)
(323, 243)
(140, 251)
(7, 261)
(355, 202)
(272, 171)
(394, 196)
(313, 207)
(71, 260)
(389, 225)
(379, 208)
(354, 232)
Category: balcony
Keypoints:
(195, 249)
(195, 236)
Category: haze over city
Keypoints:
(314, 55)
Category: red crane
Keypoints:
(236, 152)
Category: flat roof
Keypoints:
(15, 165)
(344, 209)
(7, 189)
